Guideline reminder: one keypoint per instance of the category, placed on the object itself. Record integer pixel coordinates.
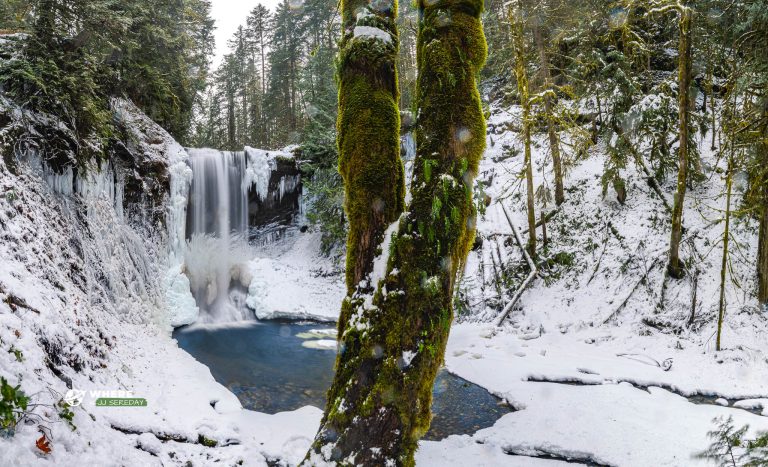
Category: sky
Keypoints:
(229, 14)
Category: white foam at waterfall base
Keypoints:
(214, 265)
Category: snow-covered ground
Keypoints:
(599, 356)
(291, 279)
(581, 358)
(597, 395)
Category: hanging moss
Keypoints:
(393, 341)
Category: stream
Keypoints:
(276, 366)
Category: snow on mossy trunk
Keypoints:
(393, 342)
(368, 131)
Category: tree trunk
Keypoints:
(292, 96)
(762, 251)
(262, 112)
(394, 341)
(713, 146)
(516, 22)
(554, 138)
(711, 93)
(726, 238)
(368, 139)
(675, 266)
(231, 124)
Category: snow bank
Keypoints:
(181, 306)
(295, 281)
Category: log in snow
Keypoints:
(534, 271)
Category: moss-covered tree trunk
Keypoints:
(394, 340)
(554, 138)
(726, 240)
(368, 131)
(762, 250)
(515, 13)
(675, 266)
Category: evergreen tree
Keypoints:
(258, 32)
(284, 57)
(80, 53)
(15, 15)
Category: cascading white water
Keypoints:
(217, 229)
(217, 249)
(408, 147)
(218, 204)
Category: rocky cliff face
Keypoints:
(82, 249)
(281, 204)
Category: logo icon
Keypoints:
(74, 398)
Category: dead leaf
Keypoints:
(43, 444)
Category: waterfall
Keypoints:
(218, 223)
(217, 230)
(407, 147)
(218, 204)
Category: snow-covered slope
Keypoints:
(290, 279)
(600, 356)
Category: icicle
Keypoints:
(258, 171)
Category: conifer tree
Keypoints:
(258, 33)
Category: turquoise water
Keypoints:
(271, 369)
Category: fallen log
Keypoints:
(527, 282)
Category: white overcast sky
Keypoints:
(229, 14)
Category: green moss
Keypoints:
(378, 399)
(368, 138)
(207, 442)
